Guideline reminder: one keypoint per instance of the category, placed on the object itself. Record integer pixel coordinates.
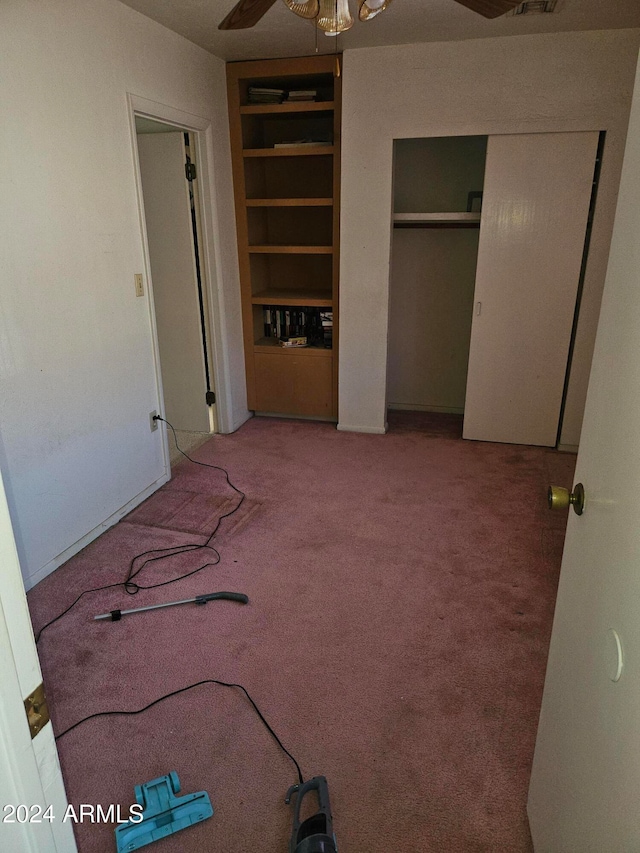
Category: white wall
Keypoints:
(77, 377)
(522, 84)
(433, 275)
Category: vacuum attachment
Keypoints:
(315, 834)
(163, 813)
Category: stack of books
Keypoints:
(262, 95)
(302, 95)
(326, 318)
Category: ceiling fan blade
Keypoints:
(490, 8)
(245, 14)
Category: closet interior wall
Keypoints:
(434, 255)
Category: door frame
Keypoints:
(201, 132)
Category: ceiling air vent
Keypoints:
(535, 7)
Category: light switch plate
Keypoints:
(137, 280)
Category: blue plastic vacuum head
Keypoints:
(163, 814)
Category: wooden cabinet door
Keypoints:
(537, 192)
(294, 384)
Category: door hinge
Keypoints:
(35, 706)
(210, 397)
(190, 169)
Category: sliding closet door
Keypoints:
(537, 190)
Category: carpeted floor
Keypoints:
(188, 441)
(401, 597)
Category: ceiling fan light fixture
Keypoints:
(303, 8)
(370, 8)
(334, 17)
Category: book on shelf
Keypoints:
(302, 95)
(263, 95)
(287, 322)
(326, 320)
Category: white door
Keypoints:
(585, 786)
(537, 190)
(30, 773)
(167, 209)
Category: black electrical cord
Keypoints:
(217, 468)
(162, 553)
(183, 690)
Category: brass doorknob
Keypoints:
(560, 498)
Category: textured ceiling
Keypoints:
(280, 33)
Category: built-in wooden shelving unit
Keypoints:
(286, 175)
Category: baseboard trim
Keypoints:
(416, 407)
(113, 519)
(568, 448)
(366, 429)
(316, 418)
(237, 423)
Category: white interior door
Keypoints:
(175, 286)
(585, 785)
(29, 768)
(537, 190)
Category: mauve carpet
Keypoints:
(401, 597)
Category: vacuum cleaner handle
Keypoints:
(231, 596)
(315, 834)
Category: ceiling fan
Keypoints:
(333, 16)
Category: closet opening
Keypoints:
(177, 292)
(437, 203)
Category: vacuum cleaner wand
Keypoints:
(315, 834)
(115, 615)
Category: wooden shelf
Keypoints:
(291, 151)
(311, 298)
(436, 220)
(272, 345)
(288, 107)
(291, 250)
(289, 202)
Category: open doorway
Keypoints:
(177, 286)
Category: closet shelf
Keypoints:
(436, 220)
